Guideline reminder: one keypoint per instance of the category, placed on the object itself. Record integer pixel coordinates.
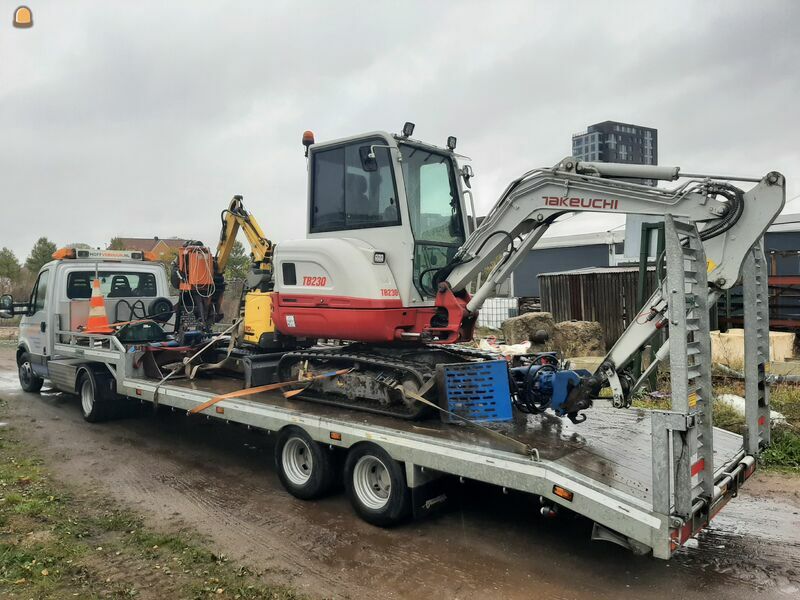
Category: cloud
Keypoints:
(143, 119)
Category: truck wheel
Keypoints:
(28, 380)
(93, 408)
(376, 486)
(306, 469)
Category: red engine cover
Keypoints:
(367, 320)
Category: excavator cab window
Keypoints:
(434, 210)
(349, 193)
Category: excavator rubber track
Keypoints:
(369, 387)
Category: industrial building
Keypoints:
(604, 249)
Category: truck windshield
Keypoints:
(113, 284)
(434, 211)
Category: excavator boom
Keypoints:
(234, 218)
(730, 222)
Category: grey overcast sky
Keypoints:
(144, 118)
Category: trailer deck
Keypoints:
(592, 448)
(606, 462)
(649, 479)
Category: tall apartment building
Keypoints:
(611, 141)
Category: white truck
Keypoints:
(620, 468)
(60, 301)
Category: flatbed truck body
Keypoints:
(605, 463)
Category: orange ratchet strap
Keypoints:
(266, 388)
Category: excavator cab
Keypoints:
(399, 195)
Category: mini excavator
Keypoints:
(391, 249)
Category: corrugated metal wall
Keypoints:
(607, 296)
(552, 260)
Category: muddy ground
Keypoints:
(184, 473)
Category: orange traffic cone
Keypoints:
(98, 319)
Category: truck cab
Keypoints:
(59, 303)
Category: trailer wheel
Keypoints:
(306, 469)
(376, 486)
(28, 380)
(94, 409)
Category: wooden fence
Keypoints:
(605, 295)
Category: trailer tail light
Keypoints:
(220, 410)
(138, 392)
(335, 435)
(563, 493)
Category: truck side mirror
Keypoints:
(467, 173)
(6, 306)
(368, 161)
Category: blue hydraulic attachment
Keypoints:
(544, 385)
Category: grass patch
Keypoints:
(784, 452)
(59, 543)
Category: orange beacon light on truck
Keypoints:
(23, 17)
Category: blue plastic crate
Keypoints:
(478, 391)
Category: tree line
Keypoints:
(17, 278)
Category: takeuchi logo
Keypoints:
(578, 202)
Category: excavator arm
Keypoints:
(730, 222)
(234, 218)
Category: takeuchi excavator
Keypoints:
(392, 246)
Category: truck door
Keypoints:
(33, 326)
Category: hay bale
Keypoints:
(579, 338)
(525, 327)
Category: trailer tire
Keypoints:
(94, 408)
(306, 469)
(28, 380)
(376, 485)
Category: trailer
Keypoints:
(641, 476)
(601, 469)
(648, 479)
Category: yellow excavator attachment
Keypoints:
(259, 329)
